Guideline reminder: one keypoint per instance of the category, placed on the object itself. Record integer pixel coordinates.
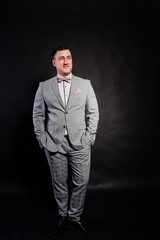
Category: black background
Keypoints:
(115, 44)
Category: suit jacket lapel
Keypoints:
(56, 91)
(72, 90)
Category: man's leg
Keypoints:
(58, 164)
(80, 165)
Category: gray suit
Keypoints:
(80, 118)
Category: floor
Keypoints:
(112, 216)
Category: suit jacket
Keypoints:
(51, 117)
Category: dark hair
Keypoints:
(60, 48)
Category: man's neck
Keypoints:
(68, 75)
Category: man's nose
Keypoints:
(65, 60)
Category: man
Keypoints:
(65, 118)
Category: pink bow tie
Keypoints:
(67, 79)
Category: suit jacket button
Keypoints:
(64, 126)
(66, 112)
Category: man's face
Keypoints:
(63, 62)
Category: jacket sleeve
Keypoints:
(92, 113)
(39, 116)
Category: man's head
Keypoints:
(62, 61)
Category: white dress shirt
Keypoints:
(64, 85)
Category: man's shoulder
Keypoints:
(48, 81)
(81, 80)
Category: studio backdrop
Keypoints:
(114, 44)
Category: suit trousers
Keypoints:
(79, 162)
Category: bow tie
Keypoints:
(67, 79)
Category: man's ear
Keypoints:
(54, 63)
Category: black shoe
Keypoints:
(60, 225)
(81, 227)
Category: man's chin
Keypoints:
(66, 73)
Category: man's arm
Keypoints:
(39, 117)
(92, 113)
